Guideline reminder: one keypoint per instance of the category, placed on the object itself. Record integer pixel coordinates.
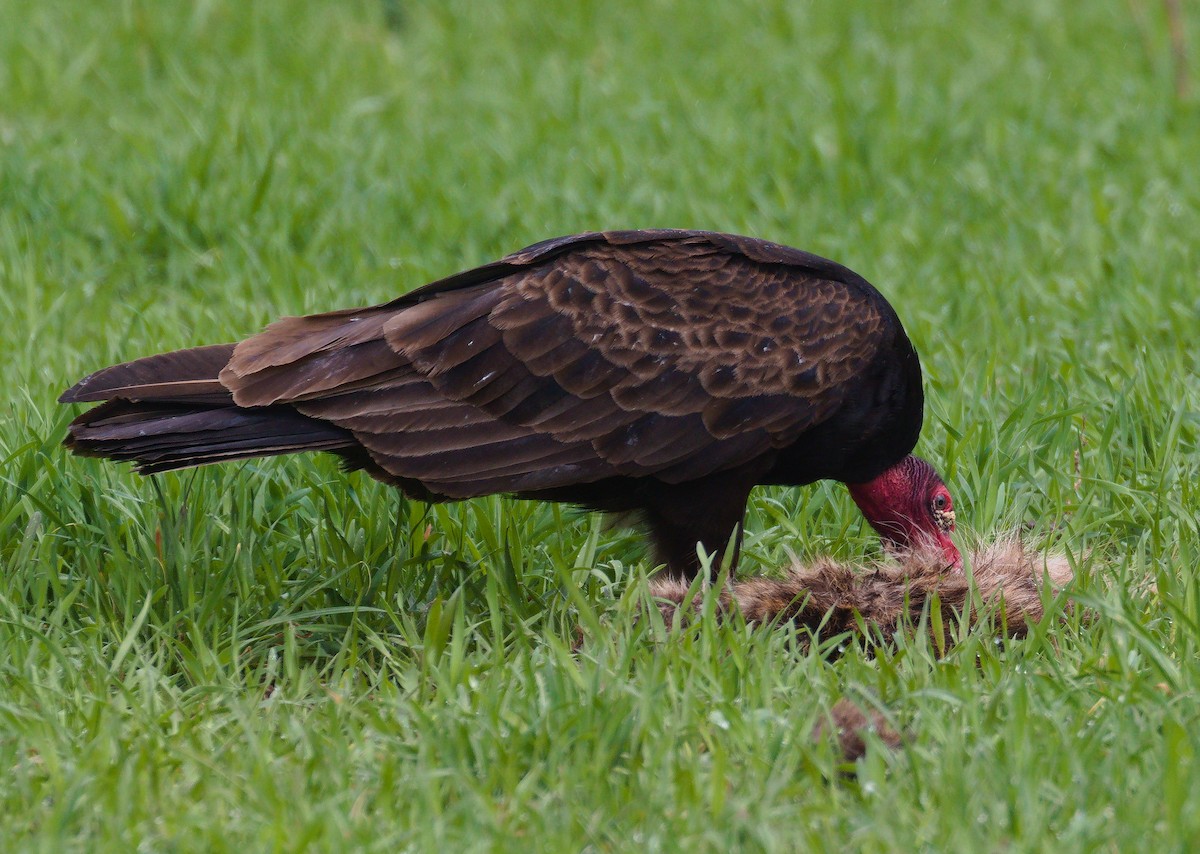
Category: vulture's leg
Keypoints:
(708, 512)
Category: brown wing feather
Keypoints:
(180, 375)
(290, 339)
(672, 354)
(606, 335)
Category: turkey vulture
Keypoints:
(661, 372)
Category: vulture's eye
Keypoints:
(940, 502)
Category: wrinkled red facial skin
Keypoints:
(902, 505)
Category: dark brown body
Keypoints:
(662, 372)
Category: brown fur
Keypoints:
(850, 725)
(828, 598)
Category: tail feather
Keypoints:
(171, 411)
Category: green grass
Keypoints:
(274, 656)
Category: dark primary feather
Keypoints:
(182, 376)
(644, 370)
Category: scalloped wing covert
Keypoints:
(665, 354)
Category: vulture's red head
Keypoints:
(910, 507)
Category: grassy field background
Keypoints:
(274, 656)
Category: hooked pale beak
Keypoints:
(953, 557)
